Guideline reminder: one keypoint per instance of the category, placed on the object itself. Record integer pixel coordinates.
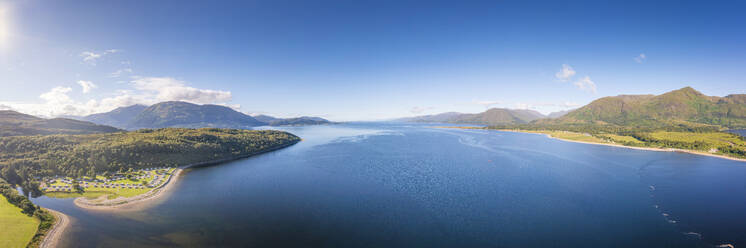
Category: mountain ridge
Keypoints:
(681, 106)
(493, 116)
(13, 123)
(189, 115)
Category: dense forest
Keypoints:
(24, 160)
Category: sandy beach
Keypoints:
(52, 238)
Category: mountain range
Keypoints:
(184, 114)
(493, 116)
(685, 106)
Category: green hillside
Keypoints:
(685, 106)
(17, 124)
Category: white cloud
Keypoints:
(91, 57)
(640, 58)
(586, 84)
(87, 86)
(57, 95)
(145, 91)
(170, 89)
(565, 73)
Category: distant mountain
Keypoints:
(300, 121)
(493, 116)
(266, 118)
(119, 117)
(183, 114)
(442, 117)
(297, 121)
(682, 106)
(13, 123)
(558, 114)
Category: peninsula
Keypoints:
(107, 171)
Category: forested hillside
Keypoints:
(24, 159)
(16, 124)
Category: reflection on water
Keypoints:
(384, 185)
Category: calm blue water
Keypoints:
(402, 185)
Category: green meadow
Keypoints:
(16, 228)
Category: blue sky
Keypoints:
(362, 60)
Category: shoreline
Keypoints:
(53, 236)
(632, 147)
(135, 203)
(131, 203)
(140, 202)
(614, 145)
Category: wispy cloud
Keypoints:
(586, 84)
(565, 73)
(641, 58)
(87, 86)
(91, 57)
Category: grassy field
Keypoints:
(112, 193)
(717, 139)
(16, 228)
(621, 139)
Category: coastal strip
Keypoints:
(640, 148)
(129, 203)
(61, 224)
(139, 202)
(609, 144)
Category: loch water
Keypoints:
(412, 185)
